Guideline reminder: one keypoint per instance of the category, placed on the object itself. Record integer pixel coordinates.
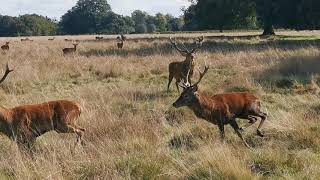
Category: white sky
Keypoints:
(56, 8)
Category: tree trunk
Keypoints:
(268, 31)
(268, 28)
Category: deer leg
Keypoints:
(221, 128)
(236, 128)
(72, 129)
(252, 120)
(177, 85)
(263, 117)
(170, 80)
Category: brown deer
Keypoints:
(51, 39)
(5, 47)
(26, 39)
(222, 109)
(180, 70)
(70, 50)
(99, 38)
(120, 40)
(25, 123)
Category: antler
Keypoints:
(198, 42)
(206, 68)
(175, 45)
(6, 73)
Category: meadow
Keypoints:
(133, 132)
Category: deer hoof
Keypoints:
(260, 133)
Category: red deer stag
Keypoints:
(180, 70)
(70, 50)
(5, 47)
(222, 109)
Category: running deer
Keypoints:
(5, 47)
(70, 50)
(25, 123)
(180, 70)
(120, 40)
(222, 109)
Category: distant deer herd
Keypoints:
(25, 123)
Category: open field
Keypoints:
(133, 132)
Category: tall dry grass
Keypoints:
(132, 130)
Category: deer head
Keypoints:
(189, 94)
(185, 52)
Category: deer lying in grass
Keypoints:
(222, 109)
(99, 38)
(70, 50)
(180, 70)
(5, 47)
(27, 39)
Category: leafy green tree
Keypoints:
(8, 26)
(174, 24)
(87, 16)
(220, 14)
(35, 25)
(140, 20)
(161, 22)
(291, 14)
(117, 24)
(140, 28)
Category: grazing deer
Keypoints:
(120, 40)
(51, 39)
(180, 70)
(222, 109)
(70, 50)
(5, 47)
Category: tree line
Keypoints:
(97, 17)
(265, 14)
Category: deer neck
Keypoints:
(203, 106)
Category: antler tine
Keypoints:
(186, 49)
(198, 42)
(175, 45)
(8, 70)
(206, 68)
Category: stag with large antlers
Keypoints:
(222, 109)
(5, 47)
(183, 71)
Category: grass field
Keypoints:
(133, 132)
